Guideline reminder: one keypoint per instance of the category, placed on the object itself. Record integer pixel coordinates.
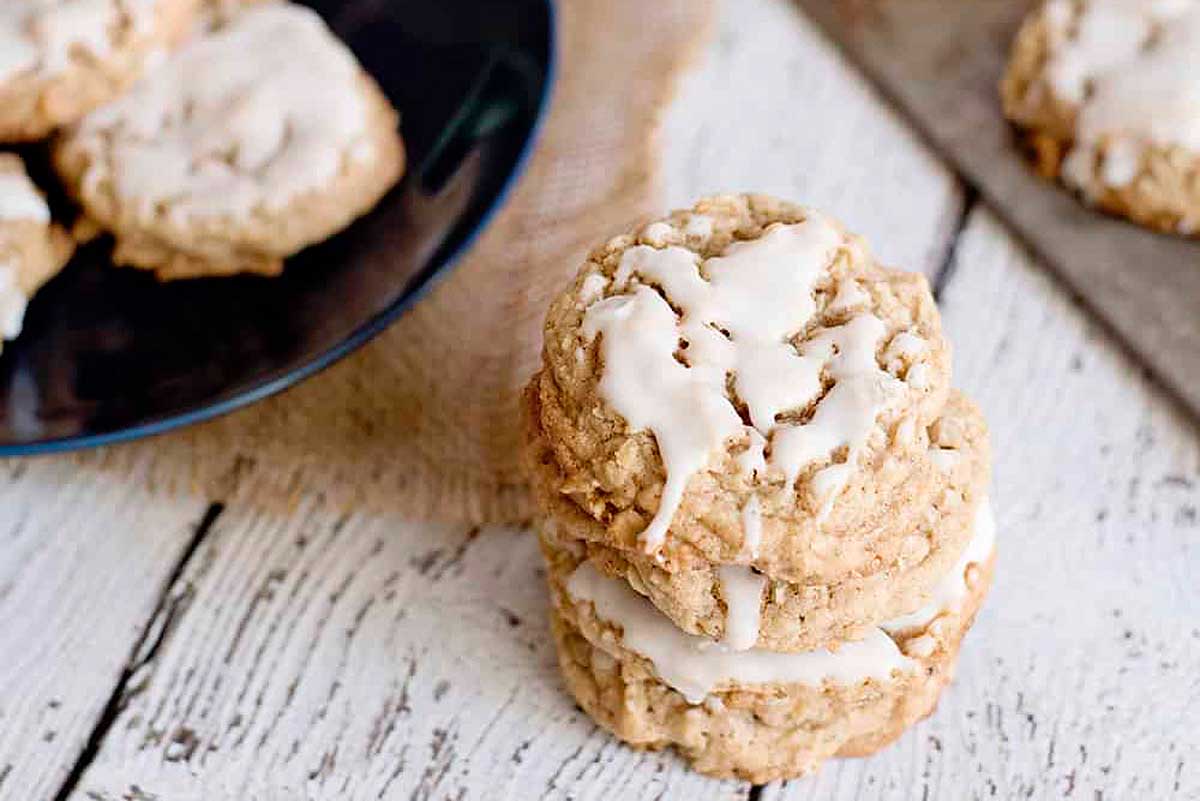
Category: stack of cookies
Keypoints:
(763, 508)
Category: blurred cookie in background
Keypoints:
(258, 137)
(59, 59)
(1106, 93)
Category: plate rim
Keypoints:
(370, 329)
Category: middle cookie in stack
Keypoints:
(762, 506)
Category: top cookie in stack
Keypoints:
(749, 421)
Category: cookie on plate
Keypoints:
(756, 715)
(32, 248)
(1106, 94)
(741, 608)
(59, 59)
(258, 137)
(747, 356)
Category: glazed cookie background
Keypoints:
(614, 471)
(1106, 94)
(87, 53)
(691, 591)
(194, 180)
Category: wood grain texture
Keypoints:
(324, 656)
(1079, 680)
(82, 565)
(774, 107)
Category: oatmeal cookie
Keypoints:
(747, 352)
(1106, 96)
(260, 136)
(32, 248)
(753, 715)
(745, 608)
(59, 59)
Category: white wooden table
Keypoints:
(185, 650)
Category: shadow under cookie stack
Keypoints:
(762, 507)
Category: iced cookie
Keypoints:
(255, 139)
(743, 608)
(59, 59)
(745, 358)
(1106, 92)
(32, 248)
(755, 715)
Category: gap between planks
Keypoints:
(169, 606)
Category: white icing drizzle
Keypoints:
(849, 296)
(949, 593)
(699, 225)
(248, 116)
(696, 666)
(752, 528)
(944, 459)
(905, 346)
(42, 35)
(846, 415)
(752, 462)
(592, 288)
(12, 302)
(685, 408)
(917, 376)
(657, 232)
(20, 199)
(1131, 67)
(742, 589)
(739, 312)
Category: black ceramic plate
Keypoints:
(109, 354)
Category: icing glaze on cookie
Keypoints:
(43, 35)
(952, 589)
(1131, 67)
(751, 528)
(742, 589)
(20, 199)
(250, 115)
(738, 314)
(695, 666)
(12, 302)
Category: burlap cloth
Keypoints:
(424, 421)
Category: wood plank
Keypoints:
(83, 562)
(774, 107)
(1080, 677)
(361, 657)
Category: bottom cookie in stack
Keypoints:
(757, 715)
